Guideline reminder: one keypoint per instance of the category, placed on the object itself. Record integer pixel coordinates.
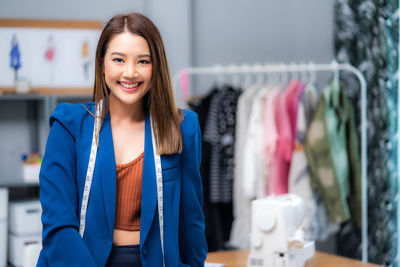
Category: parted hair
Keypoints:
(159, 100)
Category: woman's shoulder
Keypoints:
(189, 124)
(72, 115)
(189, 115)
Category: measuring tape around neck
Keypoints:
(90, 171)
(157, 164)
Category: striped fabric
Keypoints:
(219, 133)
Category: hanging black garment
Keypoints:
(219, 132)
(217, 116)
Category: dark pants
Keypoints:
(124, 256)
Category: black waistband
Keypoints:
(124, 256)
(126, 246)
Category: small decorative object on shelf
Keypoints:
(31, 166)
(15, 56)
(22, 85)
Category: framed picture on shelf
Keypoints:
(48, 56)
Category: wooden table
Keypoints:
(238, 258)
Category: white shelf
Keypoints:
(17, 182)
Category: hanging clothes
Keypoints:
(278, 178)
(239, 237)
(270, 128)
(219, 132)
(316, 223)
(254, 169)
(332, 153)
(217, 117)
(310, 101)
(212, 219)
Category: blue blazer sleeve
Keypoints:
(62, 244)
(193, 246)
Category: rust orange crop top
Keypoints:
(129, 194)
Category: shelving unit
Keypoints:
(24, 127)
(25, 117)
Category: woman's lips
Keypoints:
(129, 87)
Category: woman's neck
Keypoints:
(126, 113)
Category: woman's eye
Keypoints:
(118, 60)
(144, 61)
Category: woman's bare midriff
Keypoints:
(125, 238)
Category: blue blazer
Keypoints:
(62, 179)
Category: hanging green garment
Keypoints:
(333, 155)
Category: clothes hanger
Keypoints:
(247, 81)
(313, 74)
(284, 77)
(260, 79)
(233, 70)
(219, 76)
(294, 73)
(311, 91)
(304, 78)
(271, 77)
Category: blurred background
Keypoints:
(222, 33)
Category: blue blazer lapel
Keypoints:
(108, 171)
(106, 159)
(149, 197)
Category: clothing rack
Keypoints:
(312, 68)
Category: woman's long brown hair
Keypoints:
(159, 100)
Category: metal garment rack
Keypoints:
(310, 67)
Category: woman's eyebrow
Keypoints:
(144, 55)
(123, 55)
(118, 53)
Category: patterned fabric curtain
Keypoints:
(366, 36)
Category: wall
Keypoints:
(69, 9)
(227, 32)
(173, 19)
(262, 31)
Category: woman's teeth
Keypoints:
(129, 86)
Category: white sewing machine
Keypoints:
(276, 238)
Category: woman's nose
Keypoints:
(130, 71)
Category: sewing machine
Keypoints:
(276, 238)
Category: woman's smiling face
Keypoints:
(127, 68)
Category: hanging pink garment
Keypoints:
(290, 96)
(292, 102)
(286, 121)
(270, 134)
(278, 180)
(270, 131)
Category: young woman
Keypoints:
(122, 223)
